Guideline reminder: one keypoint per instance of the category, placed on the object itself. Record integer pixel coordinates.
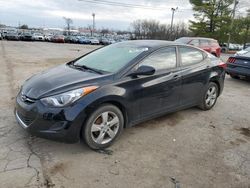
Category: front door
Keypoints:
(160, 92)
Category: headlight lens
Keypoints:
(67, 98)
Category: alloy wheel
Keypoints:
(211, 96)
(105, 127)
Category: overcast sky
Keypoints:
(49, 13)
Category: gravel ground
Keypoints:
(200, 149)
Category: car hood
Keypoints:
(60, 79)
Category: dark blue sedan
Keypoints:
(239, 65)
(96, 96)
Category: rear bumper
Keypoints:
(238, 70)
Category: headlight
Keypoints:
(67, 98)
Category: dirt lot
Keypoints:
(200, 149)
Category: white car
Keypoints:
(94, 40)
(38, 37)
(48, 37)
(242, 52)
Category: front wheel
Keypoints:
(103, 127)
(210, 96)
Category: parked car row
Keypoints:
(28, 36)
(231, 47)
(88, 40)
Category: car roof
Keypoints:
(199, 38)
(148, 43)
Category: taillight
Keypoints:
(222, 64)
(231, 60)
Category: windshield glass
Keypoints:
(111, 58)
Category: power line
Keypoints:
(127, 5)
(121, 4)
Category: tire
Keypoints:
(103, 127)
(210, 96)
(234, 76)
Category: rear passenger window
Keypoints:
(214, 43)
(162, 59)
(190, 56)
(195, 42)
(204, 42)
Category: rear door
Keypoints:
(161, 91)
(195, 73)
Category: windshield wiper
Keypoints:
(84, 67)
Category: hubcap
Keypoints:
(211, 96)
(105, 127)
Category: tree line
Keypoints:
(152, 29)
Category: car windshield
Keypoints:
(183, 40)
(111, 58)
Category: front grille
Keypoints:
(27, 120)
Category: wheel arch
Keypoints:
(91, 107)
(215, 79)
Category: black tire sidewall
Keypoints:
(204, 105)
(86, 131)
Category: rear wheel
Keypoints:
(103, 127)
(210, 96)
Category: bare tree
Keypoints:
(152, 29)
(68, 22)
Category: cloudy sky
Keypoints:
(50, 13)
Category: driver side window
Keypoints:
(162, 59)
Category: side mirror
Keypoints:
(143, 71)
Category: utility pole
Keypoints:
(172, 20)
(93, 14)
(232, 23)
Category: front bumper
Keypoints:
(59, 124)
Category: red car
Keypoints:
(208, 44)
(58, 39)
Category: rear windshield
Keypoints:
(111, 58)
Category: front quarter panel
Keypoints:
(122, 94)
